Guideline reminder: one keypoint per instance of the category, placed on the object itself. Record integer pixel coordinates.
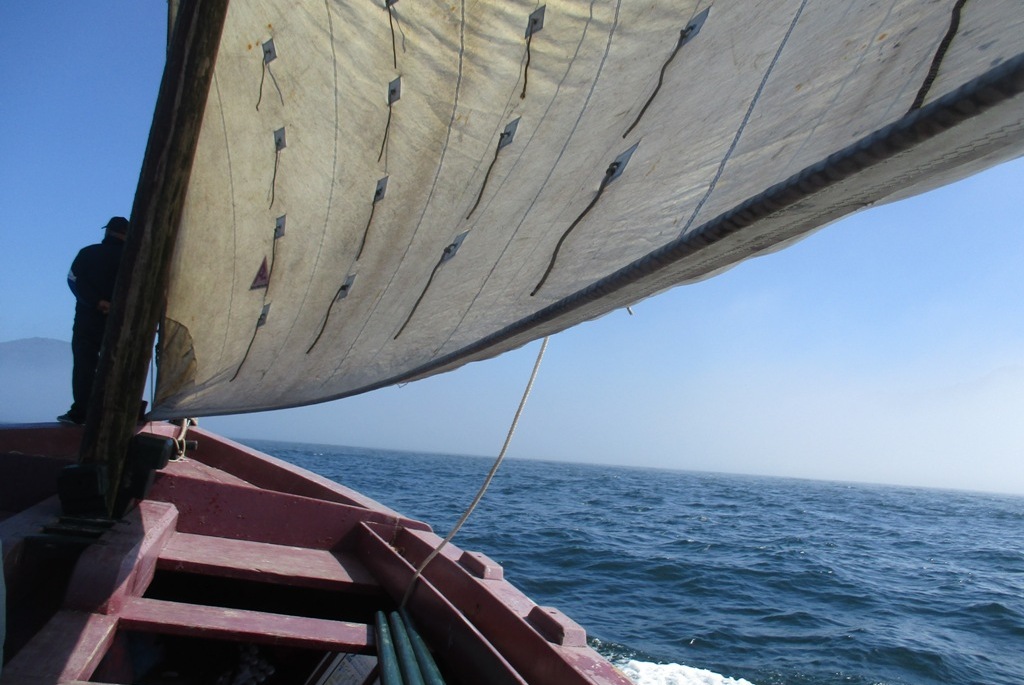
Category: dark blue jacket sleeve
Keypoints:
(73, 282)
(82, 281)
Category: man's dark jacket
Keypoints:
(92, 279)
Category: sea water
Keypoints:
(692, 578)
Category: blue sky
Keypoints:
(886, 348)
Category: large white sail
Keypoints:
(385, 191)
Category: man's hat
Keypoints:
(117, 224)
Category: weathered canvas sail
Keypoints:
(385, 191)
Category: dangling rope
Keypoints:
(487, 481)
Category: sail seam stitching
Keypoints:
(330, 195)
(234, 214)
(746, 119)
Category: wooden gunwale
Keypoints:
(206, 519)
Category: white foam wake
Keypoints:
(645, 673)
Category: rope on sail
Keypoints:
(608, 175)
(448, 251)
(391, 22)
(279, 144)
(266, 68)
(661, 80)
(256, 329)
(378, 195)
(487, 480)
(502, 140)
(341, 292)
(383, 143)
(278, 232)
(940, 54)
(691, 29)
(366, 231)
(526, 69)
(534, 24)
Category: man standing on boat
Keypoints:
(91, 280)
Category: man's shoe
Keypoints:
(71, 419)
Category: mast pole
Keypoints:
(156, 213)
(172, 15)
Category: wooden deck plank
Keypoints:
(173, 618)
(267, 471)
(263, 562)
(217, 509)
(69, 647)
(124, 563)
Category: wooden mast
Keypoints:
(159, 199)
(172, 15)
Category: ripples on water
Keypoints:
(770, 580)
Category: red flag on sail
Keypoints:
(262, 279)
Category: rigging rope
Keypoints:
(487, 481)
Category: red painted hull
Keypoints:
(232, 547)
